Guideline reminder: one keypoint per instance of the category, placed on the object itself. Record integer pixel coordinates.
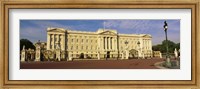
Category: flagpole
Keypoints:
(104, 25)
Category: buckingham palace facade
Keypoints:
(104, 43)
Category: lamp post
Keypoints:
(138, 43)
(168, 63)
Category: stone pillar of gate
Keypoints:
(23, 54)
(127, 54)
(69, 57)
(38, 53)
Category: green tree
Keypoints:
(28, 44)
(163, 49)
(178, 46)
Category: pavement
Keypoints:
(95, 64)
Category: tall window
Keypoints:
(71, 47)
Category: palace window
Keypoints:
(71, 47)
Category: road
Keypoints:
(93, 64)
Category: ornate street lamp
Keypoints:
(168, 63)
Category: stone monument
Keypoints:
(176, 53)
(160, 55)
(23, 54)
(38, 53)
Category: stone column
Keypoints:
(150, 46)
(116, 45)
(113, 42)
(57, 38)
(63, 42)
(102, 43)
(99, 43)
(48, 41)
(109, 43)
(53, 41)
(105, 43)
(111, 47)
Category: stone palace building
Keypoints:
(104, 44)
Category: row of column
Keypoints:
(51, 42)
(108, 43)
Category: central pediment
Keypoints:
(107, 33)
(55, 30)
(147, 36)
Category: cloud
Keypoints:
(36, 29)
(33, 34)
(152, 27)
(136, 26)
(45, 24)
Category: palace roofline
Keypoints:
(100, 30)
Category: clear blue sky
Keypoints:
(35, 30)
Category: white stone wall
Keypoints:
(102, 41)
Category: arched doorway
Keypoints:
(108, 54)
(81, 56)
(133, 53)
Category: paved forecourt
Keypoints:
(94, 64)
